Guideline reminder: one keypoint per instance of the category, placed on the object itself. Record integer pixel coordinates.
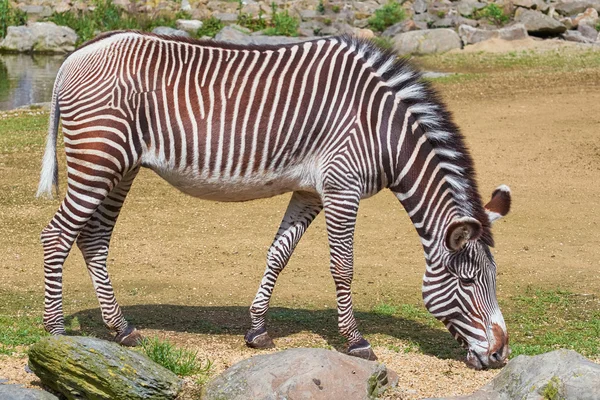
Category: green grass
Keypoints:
(210, 27)
(10, 16)
(493, 13)
(19, 331)
(181, 362)
(282, 23)
(386, 16)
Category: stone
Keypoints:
(572, 376)
(587, 31)
(468, 7)
(302, 374)
(188, 25)
(588, 17)
(18, 38)
(576, 36)
(420, 6)
(539, 24)
(18, 392)
(36, 11)
(443, 23)
(85, 367)
(470, 35)
(427, 41)
(539, 5)
(185, 5)
(234, 34)
(40, 37)
(400, 27)
(168, 31)
(226, 17)
(572, 7)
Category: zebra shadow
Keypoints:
(281, 322)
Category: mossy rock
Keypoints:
(89, 368)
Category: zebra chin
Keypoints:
(486, 351)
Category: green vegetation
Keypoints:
(598, 26)
(321, 7)
(383, 42)
(180, 361)
(210, 27)
(552, 391)
(10, 16)
(245, 20)
(19, 331)
(387, 16)
(282, 23)
(493, 13)
(106, 16)
(336, 9)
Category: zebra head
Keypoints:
(459, 287)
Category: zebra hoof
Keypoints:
(130, 337)
(259, 339)
(362, 350)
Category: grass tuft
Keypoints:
(282, 23)
(386, 16)
(18, 331)
(181, 362)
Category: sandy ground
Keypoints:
(187, 269)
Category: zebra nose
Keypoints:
(496, 357)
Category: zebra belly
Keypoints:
(234, 189)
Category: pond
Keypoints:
(27, 79)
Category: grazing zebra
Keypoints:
(333, 120)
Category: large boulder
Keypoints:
(560, 374)
(168, 31)
(238, 35)
(572, 7)
(539, 24)
(40, 37)
(84, 367)
(427, 41)
(18, 392)
(470, 35)
(302, 374)
(188, 25)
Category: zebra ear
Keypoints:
(460, 231)
(499, 205)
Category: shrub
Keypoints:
(10, 16)
(210, 27)
(321, 7)
(387, 16)
(493, 13)
(246, 20)
(282, 23)
(181, 362)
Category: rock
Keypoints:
(18, 392)
(569, 374)
(85, 367)
(36, 11)
(168, 31)
(420, 6)
(539, 24)
(234, 34)
(18, 38)
(467, 7)
(400, 27)
(427, 41)
(571, 7)
(587, 31)
(538, 5)
(443, 23)
(302, 374)
(185, 5)
(576, 36)
(40, 37)
(188, 25)
(226, 17)
(470, 35)
(588, 17)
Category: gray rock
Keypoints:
(185, 5)
(588, 17)
(587, 31)
(85, 367)
(539, 24)
(302, 374)
(233, 34)
(400, 27)
(572, 7)
(572, 376)
(168, 31)
(18, 392)
(576, 36)
(36, 11)
(226, 17)
(539, 5)
(467, 7)
(40, 37)
(427, 41)
(470, 35)
(420, 6)
(188, 25)
(18, 38)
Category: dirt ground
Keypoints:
(187, 269)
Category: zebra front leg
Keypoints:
(341, 208)
(302, 210)
(93, 241)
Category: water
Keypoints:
(26, 79)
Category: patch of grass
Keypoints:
(385, 309)
(10, 16)
(386, 16)
(210, 27)
(553, 389)
(598, 26)
(493, 13)
(540, 321)
(282, 23)
(336, 9)
(19, 331)
(321, 7)
(248, 22)
(181, 362)
(383, 42)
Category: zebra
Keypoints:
(331, 120)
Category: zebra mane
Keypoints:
(435, 120)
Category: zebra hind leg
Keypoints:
(93, 241)
(302, 210)
(341, 208)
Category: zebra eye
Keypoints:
(467, 281)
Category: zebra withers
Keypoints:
(333, 120)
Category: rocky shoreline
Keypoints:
(428, 26)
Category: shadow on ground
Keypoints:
(281, 322)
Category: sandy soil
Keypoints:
(188, 269)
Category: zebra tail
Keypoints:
(49, 174)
